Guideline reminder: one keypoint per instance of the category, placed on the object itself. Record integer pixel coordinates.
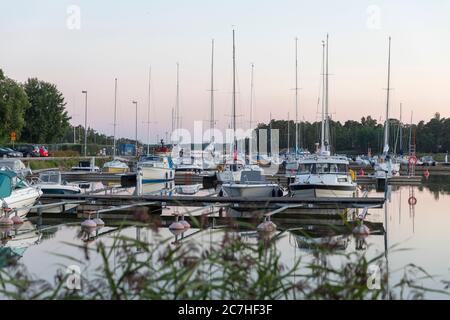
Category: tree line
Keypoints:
(34, 111)
(358, 137)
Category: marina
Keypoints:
(240, 154)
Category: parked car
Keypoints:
(428, 161)
(10, 153)
(43, 152)
(29, 150)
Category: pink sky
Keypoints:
(122, 40)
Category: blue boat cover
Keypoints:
(6, 183)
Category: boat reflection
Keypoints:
(164, 188)
(14, 241)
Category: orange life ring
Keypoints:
(412, 201)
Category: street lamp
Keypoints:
(85, 122)
(136, 135)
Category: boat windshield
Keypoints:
(151, 158)
(322, 168)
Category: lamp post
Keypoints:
(85, 122)
(136, 135)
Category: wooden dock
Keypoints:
(239, 202)
(396, 180)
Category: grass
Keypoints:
(62, 164)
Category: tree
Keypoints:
(13, 104)
(46, 118)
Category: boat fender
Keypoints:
(426, 174)
(221, 193)
(273, 193)
(280, 192)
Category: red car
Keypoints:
(43, 152)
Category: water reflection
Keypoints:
(413, 218)
(15, 240)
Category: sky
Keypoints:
(85, 45)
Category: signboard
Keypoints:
(13, 136)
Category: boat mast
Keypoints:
(251, 96)
(296, 96)
(322, 133)
(148, 111)
(327, 123)
(115, 117)
(212, 121)
(234, 102)
(288, 133)
(177, 103)
(386, 124)
(401, 131)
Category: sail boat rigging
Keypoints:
(385, 167)
(296, 97)
(212, 120)
(323, 175)
(115, 166)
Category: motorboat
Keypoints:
(86, 166)
(115, 166)
(162, 150)
(188, 164)
(16, 195)
(321, 174)
(156, 169)
(50, 182)
(15, 165)
(252, 184)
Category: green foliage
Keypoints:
(47, 119)
(13, 104)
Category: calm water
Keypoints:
(423, 228)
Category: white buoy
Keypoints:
(176, 226)
(267, 226)
(362, 230)
(89, 223)
(99, 222)
(185, 223)
(176, 232)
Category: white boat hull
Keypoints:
(23, 200)
(323, 193)
(157, 175)
(249, 190)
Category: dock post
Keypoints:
(138, 190)
(92, 164)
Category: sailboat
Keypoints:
(232, 170)
(115, 166)
(291, 162)
(321, 174)
(239, 179)
(386, 167)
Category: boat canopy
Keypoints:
(6, 183)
